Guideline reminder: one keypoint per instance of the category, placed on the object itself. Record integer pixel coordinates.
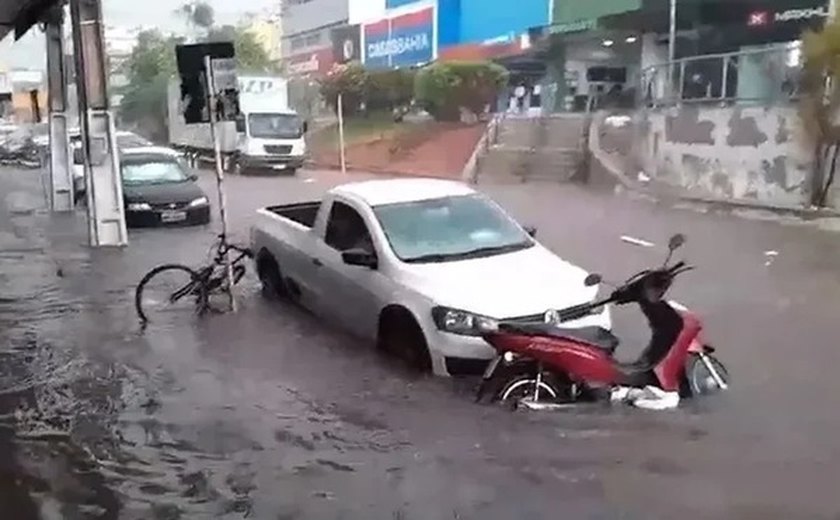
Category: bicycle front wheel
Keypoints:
(168, 292)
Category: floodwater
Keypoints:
(270, 414)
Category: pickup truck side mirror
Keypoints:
(360, 257)
(531, 230)
(305, 127)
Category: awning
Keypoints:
(20, 15)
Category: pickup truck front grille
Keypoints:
(278, 149)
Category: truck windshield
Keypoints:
(450, 229)
(275, 126)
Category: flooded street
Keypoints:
(269, 414)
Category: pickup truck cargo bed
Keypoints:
(304, 213)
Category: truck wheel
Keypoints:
(273, 287)
(401, 336)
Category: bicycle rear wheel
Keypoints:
(169, 291)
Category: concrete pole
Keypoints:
(672, 45)
(61, 170)
(106, 211)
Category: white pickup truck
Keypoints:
(419, 266)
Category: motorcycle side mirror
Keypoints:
(531, 230)
(592, 280)
(676, 242)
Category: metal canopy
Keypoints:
(19, 16)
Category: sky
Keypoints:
(29, 51)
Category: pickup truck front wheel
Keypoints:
(273, 287)
(401, 336)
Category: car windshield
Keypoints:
(275, 126)
(449, 229)
(157, 171)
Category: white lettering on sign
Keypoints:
(801, 14)
(758, 18)
(304, 67)
(397, 46)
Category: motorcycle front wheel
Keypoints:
(523, 387)
(704, 375)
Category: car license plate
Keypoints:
(173, 216)
(491, 368)
(279, 166)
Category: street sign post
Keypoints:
(210, 94)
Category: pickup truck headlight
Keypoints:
(201, 201)
(139, 206)
(463, 323)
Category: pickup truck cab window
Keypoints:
(346, 229)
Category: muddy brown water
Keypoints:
(271, 414)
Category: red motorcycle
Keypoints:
(541, 365)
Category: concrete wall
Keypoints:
(753, 154)
(311, 16)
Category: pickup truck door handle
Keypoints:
(317, 262)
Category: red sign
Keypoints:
(315, 63)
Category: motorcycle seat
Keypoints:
(597, 336)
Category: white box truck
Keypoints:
(268, 135)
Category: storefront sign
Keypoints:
(401, 41)
(763, 18)
(311, 63)
(573, 27)
(346, 46)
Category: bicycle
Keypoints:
(197, 287)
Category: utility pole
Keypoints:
(106, 211)
(672, 44)
(61, 196)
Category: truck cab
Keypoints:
(269, 137)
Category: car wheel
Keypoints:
(268, 271)
(401, 336)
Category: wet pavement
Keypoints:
(268, 414)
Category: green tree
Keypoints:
(199, 15)
(351, 81)
(149, 69)
(443, 89)
(251, 56)
(820, 103)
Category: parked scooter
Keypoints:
(543, 366)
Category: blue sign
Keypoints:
(402, 41)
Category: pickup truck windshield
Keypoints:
(275, 126)
(449, 229)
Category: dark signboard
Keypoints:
(346, 44)
(192, 70)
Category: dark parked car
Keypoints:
(158, 189)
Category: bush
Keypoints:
(389, 89)
(443, 89)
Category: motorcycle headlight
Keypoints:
(139, 206)
(201, 201)
(463, 323)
